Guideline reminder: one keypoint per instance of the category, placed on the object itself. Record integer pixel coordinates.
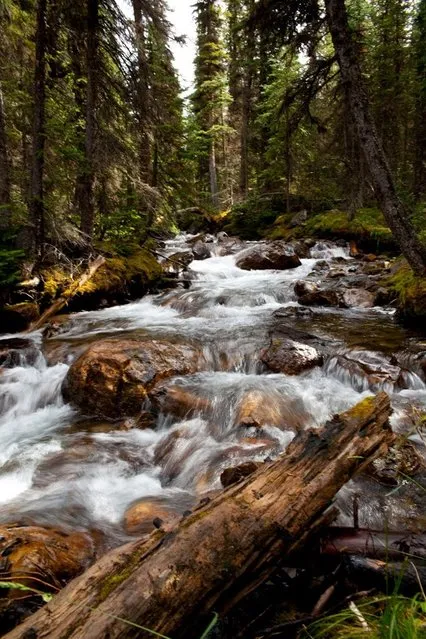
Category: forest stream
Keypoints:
(65, 469)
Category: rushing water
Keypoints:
(59, 467)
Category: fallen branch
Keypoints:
(68, 294)
(172, 581)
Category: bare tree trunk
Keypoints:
(172, 581)
(213, 176)
(86, 188)
(394, 211)
(39, 133)
(5, 212)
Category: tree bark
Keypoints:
(172, 581)
(5, 212)
(86, 188)
(213, 175)
(393, 209)
(39, 133)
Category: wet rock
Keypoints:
(401, 461)
(31, 555)
(321, 297)
(370, 257)
(290, 357)
(230, 246)
(303, 287)
(178, 262)
(321, 266)
(358, 297)
(233, 475)
(367, 371)
(16, 351)
(18, 317)
(179, 401)
(294, 312)
(301, 248)
(144, 516)
(274, 255)
(258, 409)
(201, 251)
(334, 273)
(222, 237)
(113, 378)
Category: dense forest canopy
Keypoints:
(98, 144)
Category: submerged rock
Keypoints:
(179, 401)
(114, 378)
(16, 351)
(275, 255)
(290, 357)
(31, 555)
(258, 409)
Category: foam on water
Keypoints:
(55, 473)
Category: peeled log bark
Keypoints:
(172, 580)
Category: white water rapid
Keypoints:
(61, 468)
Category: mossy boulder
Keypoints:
(410, 292)
(116, 281)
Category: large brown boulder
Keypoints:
(275, 255)
(35, 556)
(290, 357)
(114, 377)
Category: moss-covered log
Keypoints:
(172, 581)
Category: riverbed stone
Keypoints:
(358, 298)
(146, 515)
(115, 377)
(290, 357)
(274, 255)
(258, 408)
(321, 297)
(201, 251)
(17, 350)
(29, 554)
(179, 401)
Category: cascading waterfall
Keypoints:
(60, 467)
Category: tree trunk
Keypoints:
(172, 581)
(394, 211)
(39, 133)
(5, 212)
(213, 176)
(142, 97)
(86, 188)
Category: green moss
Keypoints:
(410, 292)
(55, 282)
(367, 223)
(362, 409)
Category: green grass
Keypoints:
(393, 617)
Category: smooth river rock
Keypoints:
(290, 357)
(113, 378)
(275, 255)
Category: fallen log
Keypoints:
(68, 294)
(172, 581)
(375, 544)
